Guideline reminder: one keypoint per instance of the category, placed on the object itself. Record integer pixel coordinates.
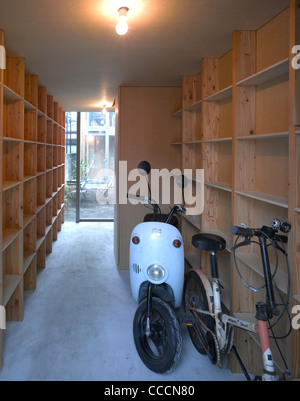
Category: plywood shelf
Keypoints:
(8, 236)
(195, 107)
(25, 132)
(177, 114)
(221, 95)
(27, 259)
(10, 284)
(9, 94)
(248, 125)
(220, 185)
(192, 142)
(263, 197)
(193, 220)
(274, 135)
(216, 140)
(268, 74)
(193, 259)
(10, 184)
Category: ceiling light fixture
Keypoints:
(122, 27)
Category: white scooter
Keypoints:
(157, 281)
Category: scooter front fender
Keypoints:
(163, 292)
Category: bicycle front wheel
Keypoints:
(195, 297)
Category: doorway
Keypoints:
(89, 168)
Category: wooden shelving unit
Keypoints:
(241, 124)
(32, 140)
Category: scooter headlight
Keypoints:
(156, 272)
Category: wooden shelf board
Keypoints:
(267, 74)
(229, 139)
(267, 198)
(29, 106)
(193, 258)
(27, 218)
(9, 235)
(27, 259)
(10, 184)
(193, 220)
(48, 228)
(274, 135)
(194, 107)
(10, 283)
(29, 177)
(176, 144)
(221, 95)
(9, 94)
(297, 209)
(177, 114)
(9, 139)
(220, 185)
(254, 262)
(39, 208)
(39, 241)
(198, 142)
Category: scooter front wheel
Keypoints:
(161, 349)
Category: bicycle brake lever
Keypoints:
(243, 243)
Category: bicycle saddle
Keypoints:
(208, 242)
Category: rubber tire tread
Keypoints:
(170, 360)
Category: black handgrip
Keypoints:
(285, 227)
(242, 231)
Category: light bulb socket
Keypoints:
(123, 11)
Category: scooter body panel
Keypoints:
(156, 248)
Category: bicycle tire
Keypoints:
(195, 296)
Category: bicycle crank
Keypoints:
(208, 340)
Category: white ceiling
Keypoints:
(73, 47)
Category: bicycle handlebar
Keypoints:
(242, 231)
(263, 234)
(250, 232)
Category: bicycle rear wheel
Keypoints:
(195, 297)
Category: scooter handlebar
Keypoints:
(141, 199)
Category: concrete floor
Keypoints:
(78, 322)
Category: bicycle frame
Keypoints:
(223, 320)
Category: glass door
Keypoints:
(97, 161)
(90, 161)
(70, 167)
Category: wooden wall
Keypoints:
(145, 130)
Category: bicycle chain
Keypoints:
(216, 342)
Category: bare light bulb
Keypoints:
(122, 27)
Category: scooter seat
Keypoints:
(208, 242)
